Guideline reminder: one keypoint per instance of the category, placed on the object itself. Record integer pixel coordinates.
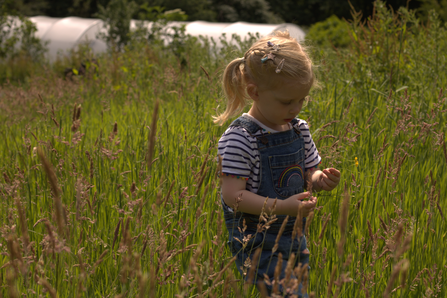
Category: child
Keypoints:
(269, 154)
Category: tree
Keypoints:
(117, 16)
(254, 11)
(439, 6)
(307, 12)
(194, 9)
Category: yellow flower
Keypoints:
(356, 162)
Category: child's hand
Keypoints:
(329, 179)
(293, 203)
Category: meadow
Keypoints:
(109, 183)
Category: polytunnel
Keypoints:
(65, 34)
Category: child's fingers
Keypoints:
(310, 204)
(329, 175)
(327, 183)
(309, 208)
(303, 196)
(334, 172)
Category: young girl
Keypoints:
(268, 156)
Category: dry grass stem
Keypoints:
(23, 224)
(331, 283)
(10, 283)
(401, 266)
(54, 187)
(48, 287)
(152, 135)
(324, 226)
(117, 229)
(219, 274)
(262, 289)
(281, 230)
(298, 225)
(168, 194)
(202, 177)
(207, 75)
(101, 258)
(445, 150)
(383, 224)
(346, 111)
(370, 116)
(378, 177)
(277, 274)
(309, 219)
(343, 221)
(78, 199)
(253, 268)
(288, 282)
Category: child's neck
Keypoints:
(268, 127)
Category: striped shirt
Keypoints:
(240, 155)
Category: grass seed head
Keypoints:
(152, 135)
(23, 224)
(277, 274)
(48, 168)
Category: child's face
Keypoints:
(277, 107)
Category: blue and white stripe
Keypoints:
(240, 155)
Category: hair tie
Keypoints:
(273, 45)
(269, 56)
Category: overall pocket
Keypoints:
(287, 173)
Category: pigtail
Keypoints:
(234, 90)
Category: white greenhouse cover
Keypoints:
(65, 34)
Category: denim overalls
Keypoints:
(281, 176)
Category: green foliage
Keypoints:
(440, 6)
(153, 26)
(194, 9)
(163, 32)
(254, 11)
(157, 231)
(24, 7)
(387, 43)
(20, 49)
(308, 12)
(330, 32)
(116, 17)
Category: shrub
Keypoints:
(330, 32)
(20, 49)
(440, 6)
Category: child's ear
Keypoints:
(252, 91)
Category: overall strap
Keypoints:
(295, 122)
(251, 126)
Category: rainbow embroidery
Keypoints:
(294, 170)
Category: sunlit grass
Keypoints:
(133, 230)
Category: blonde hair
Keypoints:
(296, 66)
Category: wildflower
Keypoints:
(356, 162)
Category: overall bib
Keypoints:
(281, 174)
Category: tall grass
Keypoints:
(130, 223)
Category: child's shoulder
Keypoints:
(236, 132)
(237, 140)
(302, 125)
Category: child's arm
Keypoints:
(233, 188)
(327, 179)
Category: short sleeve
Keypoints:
(238, 152)
(313, 158)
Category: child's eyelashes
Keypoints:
(286, 103)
